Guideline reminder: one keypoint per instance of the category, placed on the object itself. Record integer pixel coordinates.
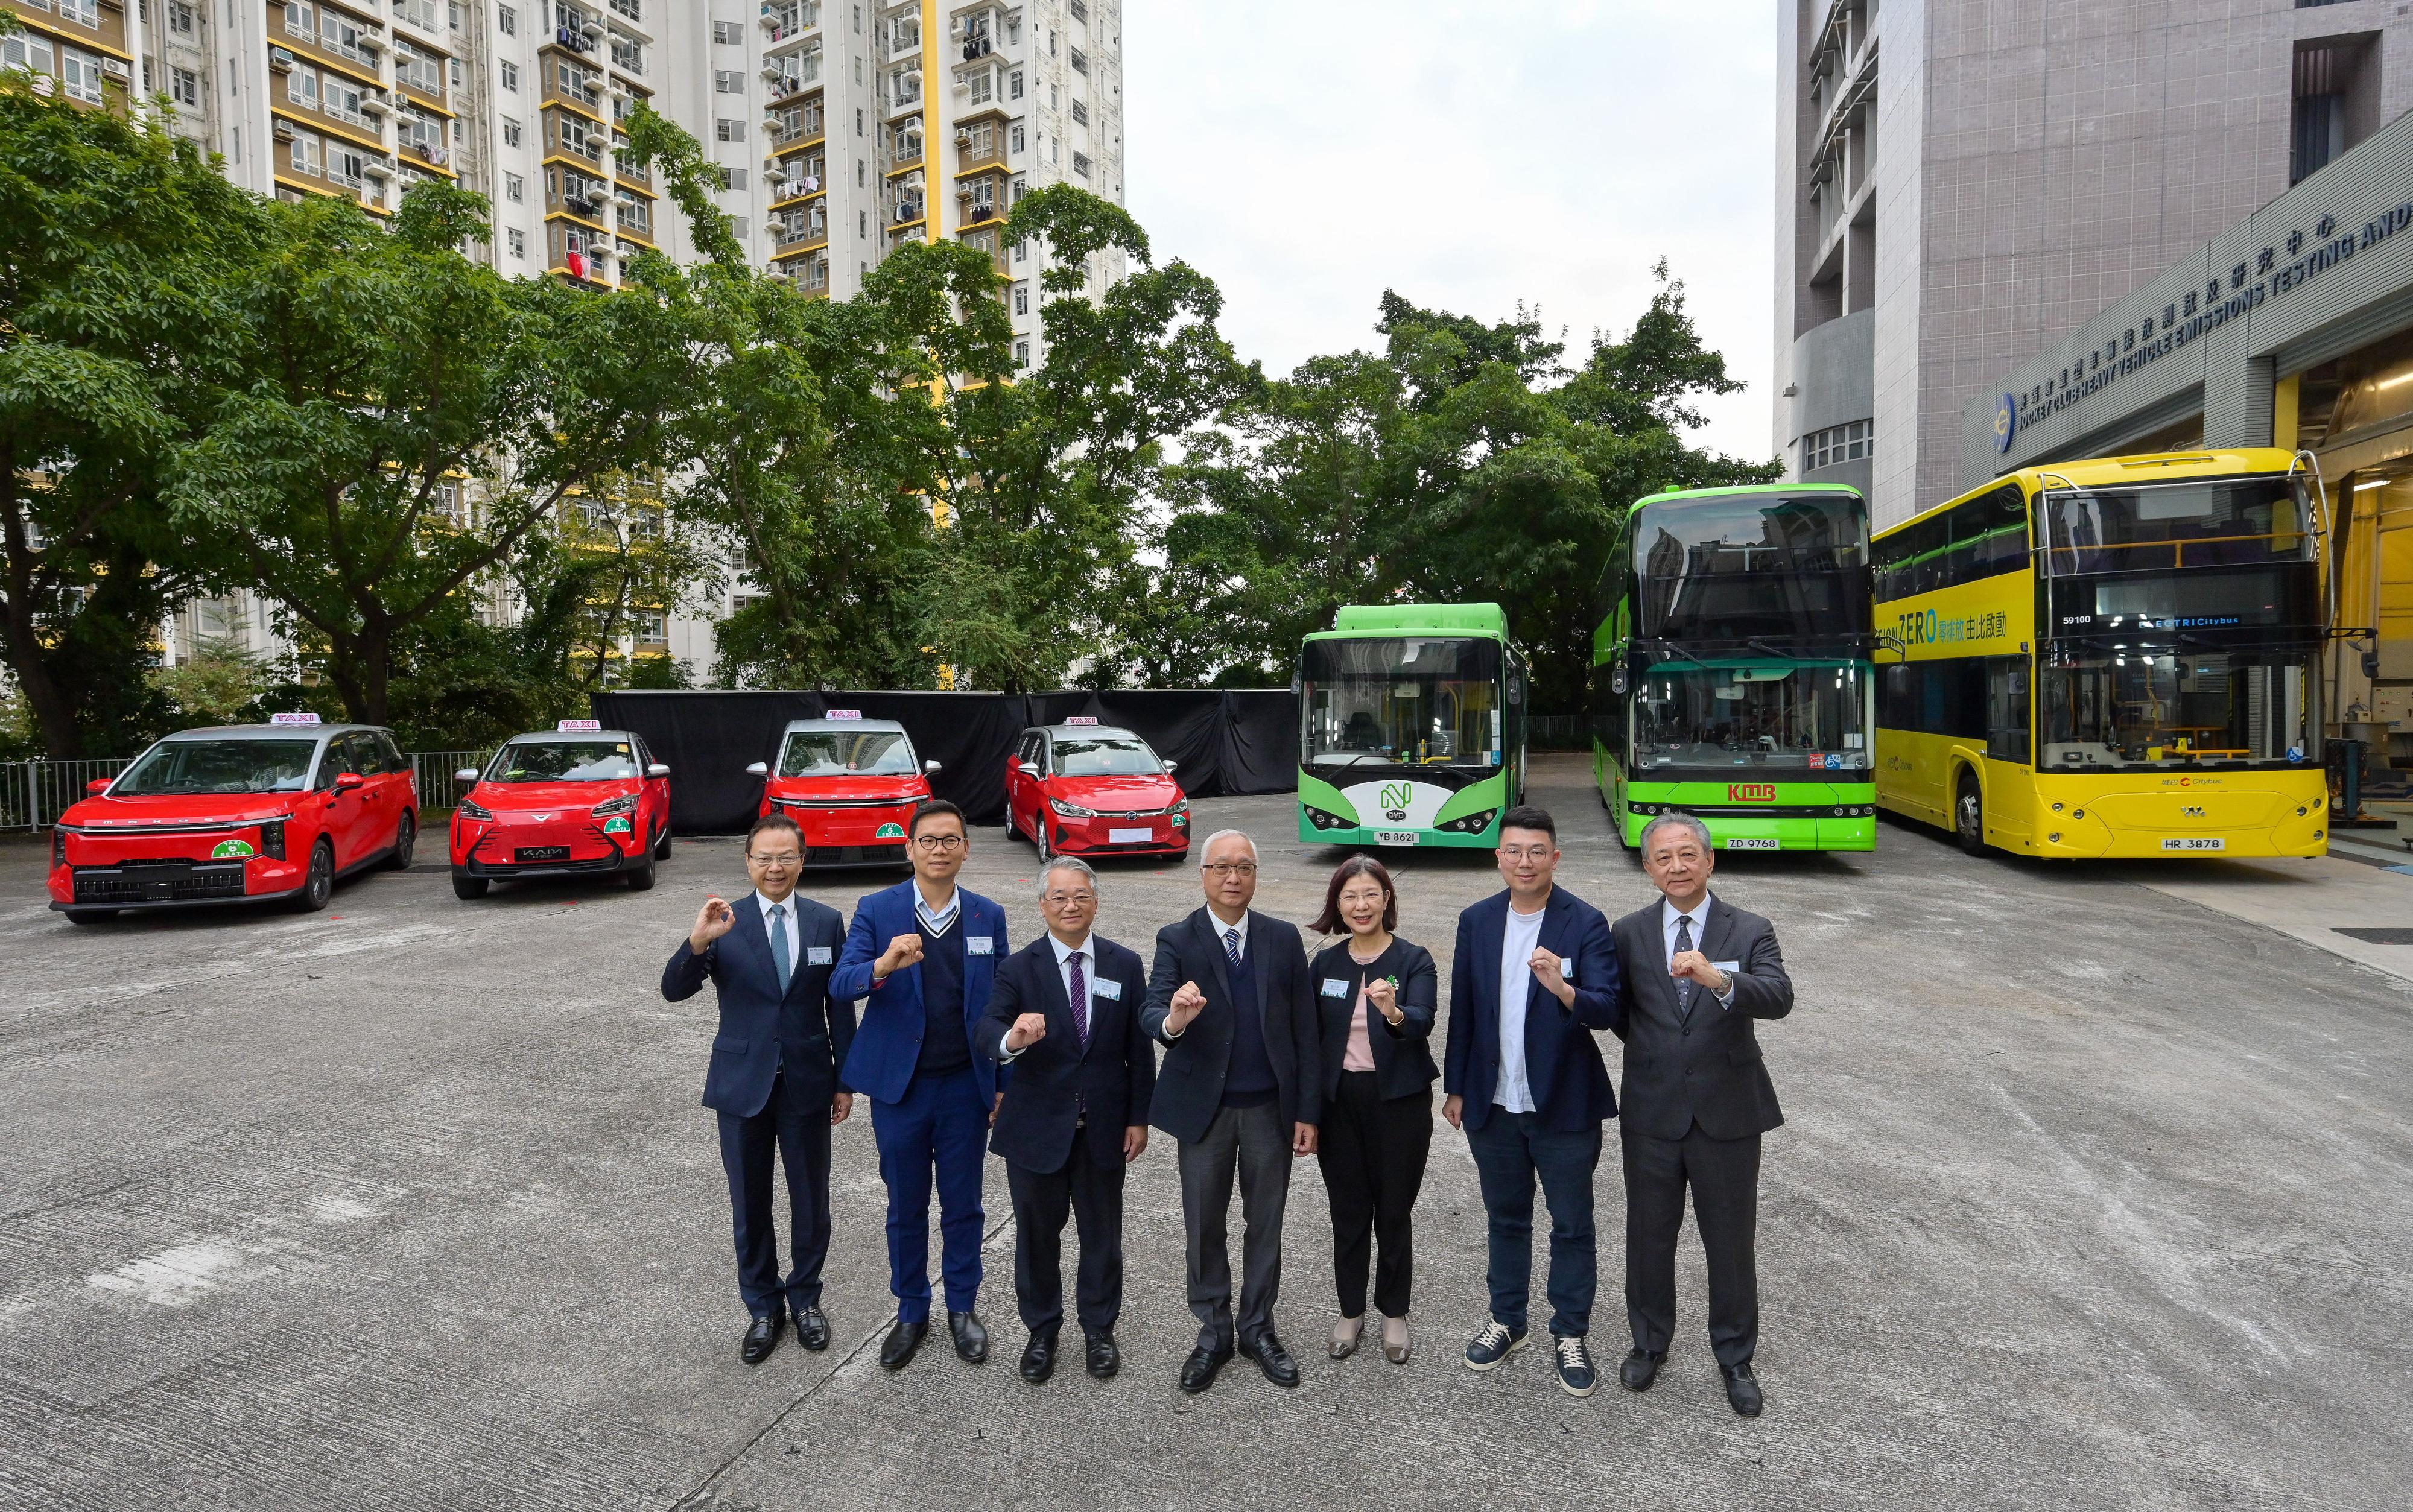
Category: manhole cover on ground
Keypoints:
(2380, 937)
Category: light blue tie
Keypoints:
(780, 943)
(1231, 947)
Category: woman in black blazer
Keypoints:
(1375, 996)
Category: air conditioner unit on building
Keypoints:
(280, 59)
(376, 169)
(283, 130)
(371, 105)
(963, 137)
(371, 46)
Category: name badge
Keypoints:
(1567, 967)
(980, 944)
(1111, 991)
(817, 955)
(1336, 986)
(1729, 967)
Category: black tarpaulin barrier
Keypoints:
(1223, 741)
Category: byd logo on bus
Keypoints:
(1751, 792)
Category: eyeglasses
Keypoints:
(785, 859)
(1059, 900)
(939, 842)
(1231, 868)
(1526, 853)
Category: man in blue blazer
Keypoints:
(774, 1076)
(1534, 974)
(922, 955)
(1065, 1015)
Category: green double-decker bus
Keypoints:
(1731, 675)
(1412, 726)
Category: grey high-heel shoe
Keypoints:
(1395, 1343)
(1345, 1334)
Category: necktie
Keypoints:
(779, 943)
(1684, 984)
(1231, 947)
(1080, 1002)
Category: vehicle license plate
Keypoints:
(1397, 837)
(542, 853)
(1130, 837)
(1742, 842)
(2195, 842)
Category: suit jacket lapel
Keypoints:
(1214, 937)
(1717, 928)
(1053, 1000)
(750, 937)
(1554, 917)
(1260, 975)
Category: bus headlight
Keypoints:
(1474, 824)
(1322, 820)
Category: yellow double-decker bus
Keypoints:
(2116, 657)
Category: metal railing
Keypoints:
(32, 794)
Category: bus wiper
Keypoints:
(1670, 648)
(1772, 651)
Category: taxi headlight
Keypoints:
(1071, 811)
(272, 840)
(625, 803)
(472, 811)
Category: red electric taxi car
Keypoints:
(580, 801)
(237, 814)
(851, 785)
(1082, 789)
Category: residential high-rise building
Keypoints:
(1961, 184)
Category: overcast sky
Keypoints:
(1309, 154)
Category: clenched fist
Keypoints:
(1027, 1031)
(1695, 966)
(716, 920)
(903, 951)
(1553, 978)
(1188, 1003)
(1385, 998)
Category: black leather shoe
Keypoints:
(1199, 1371)
(1742, 1388)
(1273, 1359)
(1039, 1357)
(971, 1338)
(812, 1329)
(1105, 1359)
(1640, 1369)
(904, 1338)
(762, 1336)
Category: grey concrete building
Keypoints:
(1961, 183)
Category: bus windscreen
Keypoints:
(1804, 717)
(1380, 702)
(2198, 523)
(1787, 569)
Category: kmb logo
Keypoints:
(1751, 792)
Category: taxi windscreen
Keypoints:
(562, 761)
(1106, 757)
(217, 767)
(848, 752)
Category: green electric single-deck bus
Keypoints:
(1731, 677)
(1412, 726)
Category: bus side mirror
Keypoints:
(2371, 665)
(1617, 681)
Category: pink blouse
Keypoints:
(1359, 1056)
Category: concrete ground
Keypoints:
(2091, 1194)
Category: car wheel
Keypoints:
(640, 878)
(406, 833)
(1039, 838)
(321, 887)
(90, 916)
(662, 846)
(1969, 816)
(467, 888)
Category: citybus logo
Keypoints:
(1751, 792)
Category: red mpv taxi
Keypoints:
(1086, 789)
(851, 784)
(580, 802)
(237, 814)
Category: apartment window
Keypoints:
(1081, 164)
(78, 73)
(2336, 105)
(417, 70)
(728, 82)
(87, 12)
(185, 87)
(1080, 10)
(1021, 250)
(508, 20)
(732, 178)
(728, 32)
(1022, 301)
(1014, 85)
(305, 155)
(858, 122)
(728, 130)
(181, 20)
(862, 224)
(420, 13)
(454, 16)
(301, 18)
(514, 188)
(858, 172)
(737, 226)
(512, 77)
(1022, 354)
(518, 240)
(510, 129)
(858, 20)
(634, 9)
(1013, 137)
(1080, 114)
(1080, 60)
(1836, 443)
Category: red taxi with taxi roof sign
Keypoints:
(851, 784)
(237, 814)
(580, 801)
(1082, 789)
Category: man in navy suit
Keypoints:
(774, 1076)
(923, 954)
(1242, 1093)
(1065, 1015)
(1534, 974)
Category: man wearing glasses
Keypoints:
(1242, 1093)
(774, 1076)
(923, 954)
(1065, 1016)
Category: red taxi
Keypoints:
(1082, 789)
(851, 784)
(580, 802)
(237, 814)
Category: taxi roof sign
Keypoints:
(1081, 719)
(304, 717)
(843, 714)
(579, 725)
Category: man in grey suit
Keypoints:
(1697, 1099)
(1241, 1091)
